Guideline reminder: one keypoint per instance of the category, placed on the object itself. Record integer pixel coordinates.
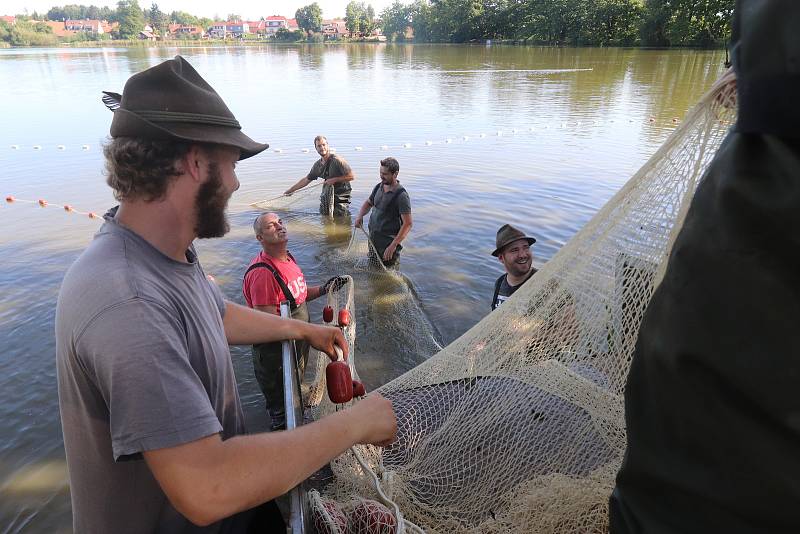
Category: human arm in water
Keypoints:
(362, 212)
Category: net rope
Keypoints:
(518, 425)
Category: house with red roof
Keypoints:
(334, 28)
(87, 25)
(11, 20)
(291, 25)
(275, 23)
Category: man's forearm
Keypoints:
(244, 326)
(364, 209)
(340, 179)
(402, 234)
(304, 181)
(210, 479)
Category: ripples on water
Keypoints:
(549, 181)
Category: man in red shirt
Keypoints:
(272, 277)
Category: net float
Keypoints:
(344, 317)
(358, 389)
(10, 199)
(67, 207)
(339, 382)
(42, 202)
(92, 215)
(327, 314)
(371, 517)
(330, 514)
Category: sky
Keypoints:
(248, 9)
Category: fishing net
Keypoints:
(303, 201)
(518, 425)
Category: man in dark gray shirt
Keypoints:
(152, 422)
(390, 221)
(513, 249)
(335, 173)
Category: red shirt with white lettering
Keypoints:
(261, 289)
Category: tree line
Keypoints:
(701, 23)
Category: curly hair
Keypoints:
(391, 164)
(142, 169)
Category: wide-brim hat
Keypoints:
(508, 234)
(172, 101)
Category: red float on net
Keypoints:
(371, 517)
(331, 520)
(327, 314)
(339, 382)
(10, 199)
(42, 202)
(344, 317)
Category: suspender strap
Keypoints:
(284, 287)
(497, 289)
(393, 200)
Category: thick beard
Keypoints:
(210, 204)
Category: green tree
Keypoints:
(699, 22)
(420, 17)
(131, 19)
(309, 18)
(157, 19)
(286, 35)
(182, 17)
(395, 19)
(615, 22)
(653, 30)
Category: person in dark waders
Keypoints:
(153, 426)
(390, 222)
(711, 403)
(272, 277)
(335, 172)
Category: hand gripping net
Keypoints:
(518, 426)
(303, 201)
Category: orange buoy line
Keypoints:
(69, 208)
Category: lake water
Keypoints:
(536, 137)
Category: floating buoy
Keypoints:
(339, 382)
(14, 147)
(429, 143)
(37, 147)
(359, 148)
(384, 147)
(85, 147)
(42, 202)
(652, 119)
(67, 207)
(499, 133)
(92, 215)
(344, 318)
(327, 314)
(358, 389)
(406, 145)
(371, 517)
(61, 147)
(10, 199)
(513, 130)
(448, 140)
(466, 138)
(304, 150)
(334, 516)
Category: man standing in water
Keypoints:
(390, 221)
(513, 249)
(335, 172)
(153, 425)
(272, 277)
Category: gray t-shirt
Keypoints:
(333, 168)
(385, 220)
(143, 364)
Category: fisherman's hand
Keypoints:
(388, 254)
(359, 221)
(325, 338)
(287, 193)
(375, 417)
(333, 284)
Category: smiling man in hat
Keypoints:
(152, 421)
(513, 249)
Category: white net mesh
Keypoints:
(518, 426)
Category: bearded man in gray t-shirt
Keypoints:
(152, 422)
(336, 176)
